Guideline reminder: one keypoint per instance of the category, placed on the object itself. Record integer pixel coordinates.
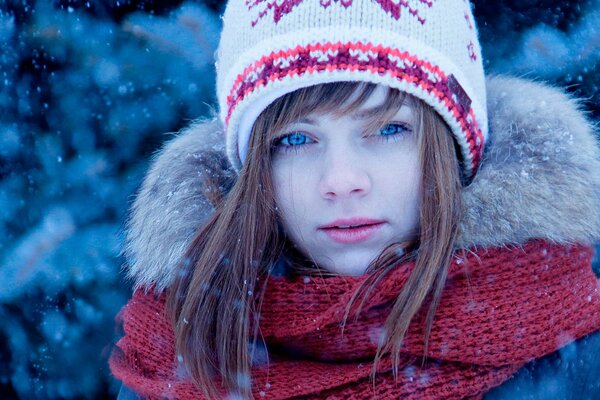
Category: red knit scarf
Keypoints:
(500, 309)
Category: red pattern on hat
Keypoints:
(281, 8)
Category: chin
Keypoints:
(347, 268)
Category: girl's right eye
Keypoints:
(291, 142)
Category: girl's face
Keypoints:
(345, 191)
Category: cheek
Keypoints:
(410, 189)
(291, 191)
(411, 180)
(403, 189)
(411, 197)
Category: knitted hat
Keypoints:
(428, 48)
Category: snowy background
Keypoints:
(88, 90)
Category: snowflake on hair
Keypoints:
(279, 8)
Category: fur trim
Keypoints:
(171, 205)
(540, 178)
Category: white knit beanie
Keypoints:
(428, 48)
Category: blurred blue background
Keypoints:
(88, 92)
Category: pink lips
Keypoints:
(352, 230)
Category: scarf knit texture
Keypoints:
(501, 308)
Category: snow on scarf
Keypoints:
(501, 308)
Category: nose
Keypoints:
(344, 176)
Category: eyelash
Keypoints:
(277, 145)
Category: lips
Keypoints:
(353, 230)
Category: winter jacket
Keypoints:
(540, 179)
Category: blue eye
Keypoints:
(293, 139)
(394, 128)
(291, 142)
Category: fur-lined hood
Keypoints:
(540, 178)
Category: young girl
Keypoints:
(378, 229)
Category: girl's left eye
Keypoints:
(394, 129)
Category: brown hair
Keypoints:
(214, 304)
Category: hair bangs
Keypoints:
(338, 98)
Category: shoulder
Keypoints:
(569, 373)
(144, 358)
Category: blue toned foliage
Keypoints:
(84, 99)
